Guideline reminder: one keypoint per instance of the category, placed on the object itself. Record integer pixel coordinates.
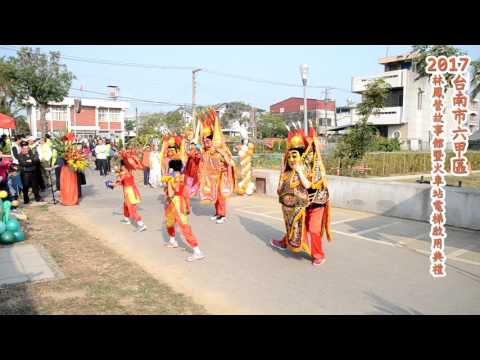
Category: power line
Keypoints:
(134, 99)
(189, 68)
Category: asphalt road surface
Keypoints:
(375, 264)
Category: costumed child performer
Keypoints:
(177, 208)
(129, 162)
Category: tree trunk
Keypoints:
(43, 120)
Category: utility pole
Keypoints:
(136, 121)
(194, 90)
(254, 125)
(325, 106)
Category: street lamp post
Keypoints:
(194, 91)
(304, 74)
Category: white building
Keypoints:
(97, 117)
(408, 112)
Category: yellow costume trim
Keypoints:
(130, 195)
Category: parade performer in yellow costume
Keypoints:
(217, 173)
(131, 196)
(177, 206)
(304, 196)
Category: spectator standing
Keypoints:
(146, 165)
(101, 154)
(16, 148)
(45, 156)
(108, 146)
(5, 162)
(28, 171)
(14, 183)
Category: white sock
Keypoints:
(140, 223)
(172, 239)
(196, 250)
(126, 219)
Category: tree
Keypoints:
(8, 91)
(41, 77)
(21, 125)
(475, 79)
(423, 51)
(174, 122)
(129, 125)
(353, 145)
(269, 125)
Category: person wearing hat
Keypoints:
(28, 161)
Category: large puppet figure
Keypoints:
(217, 168)
(131, 196)
(304, 196)
(193, 162)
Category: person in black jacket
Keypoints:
(28, 161)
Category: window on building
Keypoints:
(301, 107)
(58, 113)
(108, 115)
(282, 109)
(114, 115)
(102, 115)
(419, 99)
(394, 98)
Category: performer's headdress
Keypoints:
(210, 127)
(297, 140)
(173, 147)
(130, 159)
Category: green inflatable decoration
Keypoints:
(3, 227)
(7, 238)
(12, 225)
(19, 235)
(6, 211)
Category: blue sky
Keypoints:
(329, 66)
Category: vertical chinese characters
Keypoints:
(438, 67)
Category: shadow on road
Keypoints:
(265, 233)
(385, 307)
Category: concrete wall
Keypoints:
(403, 200)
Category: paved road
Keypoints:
(375, 264)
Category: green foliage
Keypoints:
(8, 92)
(21, 125)
(40, 76)
(475, 78)
(380, 143)
(174, 122)
(129, 125)
(353, 145)
(433, 50)
(234, 111)
(259, 148)
(280, 146)
(120, 144)
(269, 126)
(58, 144)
